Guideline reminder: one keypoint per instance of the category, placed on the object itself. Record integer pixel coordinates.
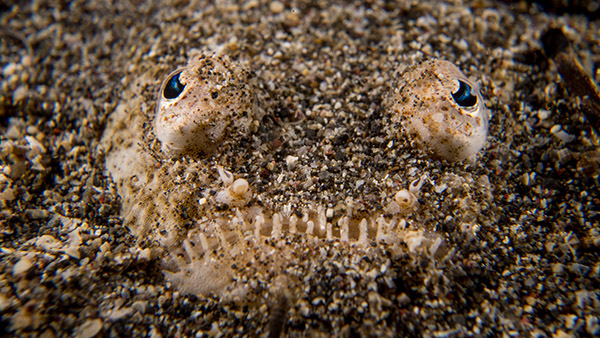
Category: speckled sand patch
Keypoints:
(503, 245)
(164, 165)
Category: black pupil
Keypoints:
(463, 95)
(173, 87)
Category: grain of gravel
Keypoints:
(521, 225)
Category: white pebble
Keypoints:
(564, 136)
(22, 266)
(88, 329)
(555, 128)
(276, 7)
(291, 161)
(543, 114)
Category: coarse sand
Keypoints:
(519, 227)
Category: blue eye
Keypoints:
(173, 87)
(463, 95)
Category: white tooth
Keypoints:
(344, 224)
(363, 232)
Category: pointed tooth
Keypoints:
(363, 232)
(258, 223)
(293, 224)
(276, 233)
(381, 231)
(310, 227)
(344, 223)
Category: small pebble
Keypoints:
(276, 7)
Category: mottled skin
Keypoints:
(423, 103)
(217, 100)
(212, 228)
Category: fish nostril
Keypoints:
(463, 95)
(173, 87)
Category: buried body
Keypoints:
(234, 200)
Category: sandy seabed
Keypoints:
(520, 225)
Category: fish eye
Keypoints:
(173, 87)
(463, 95)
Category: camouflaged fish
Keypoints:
(215, 227)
